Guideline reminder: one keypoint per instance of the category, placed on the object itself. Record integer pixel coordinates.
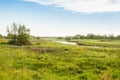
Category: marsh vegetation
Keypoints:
(43, 59)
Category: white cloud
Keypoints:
(84, 6)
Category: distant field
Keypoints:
(99, 42)
(47, 60)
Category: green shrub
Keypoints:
(18, 34)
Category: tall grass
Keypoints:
(55, 61)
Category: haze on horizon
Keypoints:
(62, 17)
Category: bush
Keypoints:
(18, 34)
(1, 36)
(68, 38)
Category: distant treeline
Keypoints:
(91, 36)
(78, 36)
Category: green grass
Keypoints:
(100, 43)
(45, 60)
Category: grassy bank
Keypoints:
(98, 42)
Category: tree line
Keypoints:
(91, 36)
(19, 34)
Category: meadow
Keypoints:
(47, 60)
(98, 42)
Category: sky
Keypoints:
(62, 17)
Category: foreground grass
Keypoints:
(45, 60)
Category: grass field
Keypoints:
(98, 42)
(47, 60)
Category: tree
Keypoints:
(77, 36)
(111, 36)
(59, 37)
(90, 36)
(68, 38)
(12, 32)
(1, 36)
(118, 37)
(18, 34)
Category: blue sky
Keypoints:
(59, 18)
